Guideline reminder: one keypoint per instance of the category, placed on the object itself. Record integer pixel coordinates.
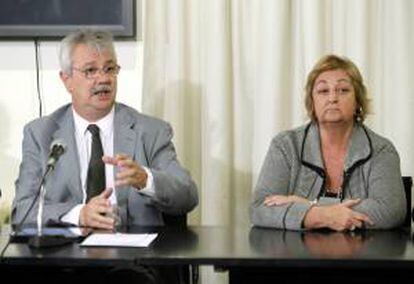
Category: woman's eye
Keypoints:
(322, 91)
(343, 90)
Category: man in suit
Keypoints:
(140, 171)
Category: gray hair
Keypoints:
(98, 40)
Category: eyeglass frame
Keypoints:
(97, 71)
(338, 91)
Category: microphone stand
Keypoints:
(40, 240)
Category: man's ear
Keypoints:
(67, 80)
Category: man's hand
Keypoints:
(130, 172)
(93, 213)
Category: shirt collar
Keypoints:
(105, 124)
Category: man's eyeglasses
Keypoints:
(93, 72)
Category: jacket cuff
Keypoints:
(295, 215)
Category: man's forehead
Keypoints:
(89, 54)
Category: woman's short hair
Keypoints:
(99, 40)
(334, 62)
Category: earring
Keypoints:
(358, 114)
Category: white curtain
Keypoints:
(229, 75)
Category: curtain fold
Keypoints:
(229, 75)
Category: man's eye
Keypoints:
(114, 69)
(110, 68)
(90, 71)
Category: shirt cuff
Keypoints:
(149, 188)
(72, 217)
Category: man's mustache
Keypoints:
(101, 89)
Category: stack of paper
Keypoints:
(119, 240)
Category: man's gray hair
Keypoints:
(98, 40)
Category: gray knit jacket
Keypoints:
(293, 165)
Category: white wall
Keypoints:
(19, 103)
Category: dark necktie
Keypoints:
(95, 182)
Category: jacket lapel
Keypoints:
(68, 166)
(311, 149)
(359, 149)
(124, 135)
(124, 142)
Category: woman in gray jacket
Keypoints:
(333, 172)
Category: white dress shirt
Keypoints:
(83, 142)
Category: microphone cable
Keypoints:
(5, 247)
(37, 61)
(4, 250)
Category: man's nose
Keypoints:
(102, 76)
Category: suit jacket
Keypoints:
(147, 140)
(294, 165)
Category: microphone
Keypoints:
(57, 149)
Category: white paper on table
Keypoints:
(119, 240)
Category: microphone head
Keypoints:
(57, 149)
(58, 146)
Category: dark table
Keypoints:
(250, 254)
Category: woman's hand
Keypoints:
(277, 200)
(338, 217)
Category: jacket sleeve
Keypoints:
(274, 178)
(175, 191)
(386, 202)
